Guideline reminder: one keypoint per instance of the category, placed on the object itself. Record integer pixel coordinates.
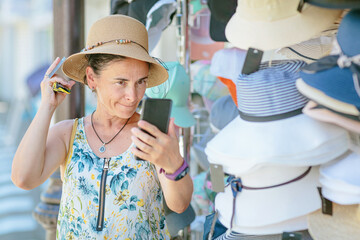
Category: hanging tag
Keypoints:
(326, 204)
(300, 6)
(252, 61)
(217, 178)
(291, 236)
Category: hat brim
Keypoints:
(294, 141)
(75, 66)
(342, 224)
(282, 203)
(269, 35)
(267, 232)
(321, 98)
(335, 82)
(183, 116)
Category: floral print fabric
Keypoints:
(133, 201)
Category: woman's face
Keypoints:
(121, 85)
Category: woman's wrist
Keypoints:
(178, 174)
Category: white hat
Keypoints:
(340, 180)
(297, 141)
(263, 207)
(272, 24)
(227, 63)
(295, 224)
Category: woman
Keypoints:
(107, 193)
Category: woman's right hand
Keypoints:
(49, 97)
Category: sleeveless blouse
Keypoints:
(132, 196)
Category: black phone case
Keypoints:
(157, 112)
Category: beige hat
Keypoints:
(117, 35)
(272, 24)
(344, 224)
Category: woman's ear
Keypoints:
(90, 77)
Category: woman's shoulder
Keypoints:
(63, 129)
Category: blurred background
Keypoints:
(26, 51)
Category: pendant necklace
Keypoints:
(102, 148)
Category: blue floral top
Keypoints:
(133, 197)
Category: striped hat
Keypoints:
(271, 128)
(270, 93)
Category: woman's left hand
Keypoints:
(161, 149)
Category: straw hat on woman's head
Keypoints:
(118, 35)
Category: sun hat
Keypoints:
(283, 193)
(136, 9)
(158, 18)
(343, 224)
(205, 83)
(277, 21)
(310, 50)
(269, 107)
(221, 12)
(270, 91)
(177, 88)
(322, 113)
(202, 47)
(340, 179)
(303, 235)
(226, 64)
(118, 35)
(339, 4)
(156, 15)
(222, 112)
(321, 98)
(338, 75)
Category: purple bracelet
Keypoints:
(179, 174)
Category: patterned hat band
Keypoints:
(117, 41)
(270, 93)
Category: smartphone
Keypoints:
(252, 61)
(157, 112)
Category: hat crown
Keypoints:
(267, 10)
(349, 33)
(116, 27)
(271, 90)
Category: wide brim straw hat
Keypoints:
(343, 224)
(256, 209)
(268, 25)
(117, 35)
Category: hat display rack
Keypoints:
(268, 104)
(288, 145)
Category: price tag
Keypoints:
(217, 178)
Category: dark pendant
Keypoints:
(102, 149)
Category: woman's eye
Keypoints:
(122, 83)
(142, 81)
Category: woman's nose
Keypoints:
(131, 94)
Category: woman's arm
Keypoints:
(163, 151)
(41, 150)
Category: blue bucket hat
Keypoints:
(177, 88)
(338, 76)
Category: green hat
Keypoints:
(177, 88)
